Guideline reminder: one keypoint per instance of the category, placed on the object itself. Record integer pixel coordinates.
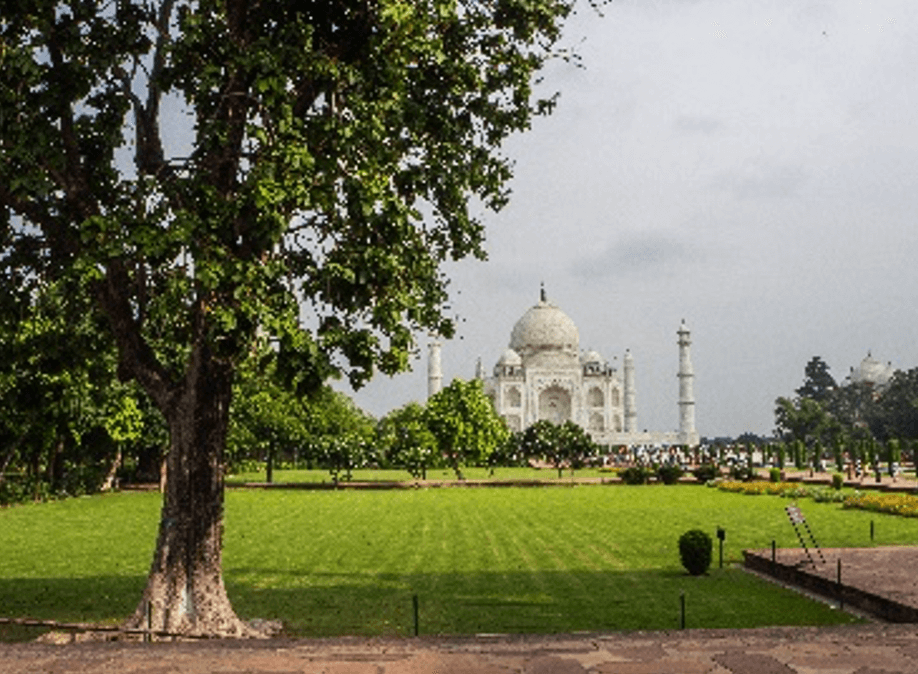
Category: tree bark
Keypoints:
(185, 586)
(109, 482)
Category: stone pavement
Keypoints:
(860, 649)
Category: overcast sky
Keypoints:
(750, 166)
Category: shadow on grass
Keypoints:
(519, 602)
(95, 599)
(455, 603)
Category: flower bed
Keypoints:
(758, 488)
(785, 490)
(893, 504)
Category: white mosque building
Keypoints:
(544, 375)
(872, 373)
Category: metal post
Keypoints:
(871, 531)
(682, 605)
(414, 601)
(773, 556)
(841, 596)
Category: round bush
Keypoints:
(741, 471)
(695, 551)
(634, 475)
(706, 472)
(669, 474)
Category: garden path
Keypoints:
(861, 649)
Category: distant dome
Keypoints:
(872, 371)
(548, 332)
(590, 357)
(510, 358)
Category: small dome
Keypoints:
(590, 357)
(510, 358)
(545, 328)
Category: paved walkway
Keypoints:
(862, 649)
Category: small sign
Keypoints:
(795, 515)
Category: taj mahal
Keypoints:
(543, 375)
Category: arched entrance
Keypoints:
(555, 405)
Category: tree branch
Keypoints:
(65, 116)
(136, 358)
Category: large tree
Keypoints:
(802, 419)
(218, 168)
(895, 411)
(818, 384)
(407, 441)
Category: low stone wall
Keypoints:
(805, 576)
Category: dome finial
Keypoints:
(542, 295)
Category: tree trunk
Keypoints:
(9, 457)
(109, 482)
(185, 586)
(54, 469)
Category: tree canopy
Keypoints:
(466, 426)
(407, 441)
(895, 415)
(211, 170)
(66, 422)
(560, 445)
(855, 414)
(818, 384)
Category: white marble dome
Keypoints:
(510, 358)
(871, 371)
(547, 334)
(592, 357)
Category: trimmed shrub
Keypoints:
(774, 475)
(695, 549)
(706, 472)
(634, 475)
(838, 480)
(741, 471)
(669, 474)
(826, 495)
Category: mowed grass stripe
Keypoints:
(503, 595)
(495, 560)
(521, 585)
(632, 517)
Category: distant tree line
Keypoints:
(70, 426)
(456, 428)
(827, 422)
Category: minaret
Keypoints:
(686, 380)
(479, 370)
(434, 370)
(630, 408)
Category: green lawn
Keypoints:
(438, 474)
(480, 560)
